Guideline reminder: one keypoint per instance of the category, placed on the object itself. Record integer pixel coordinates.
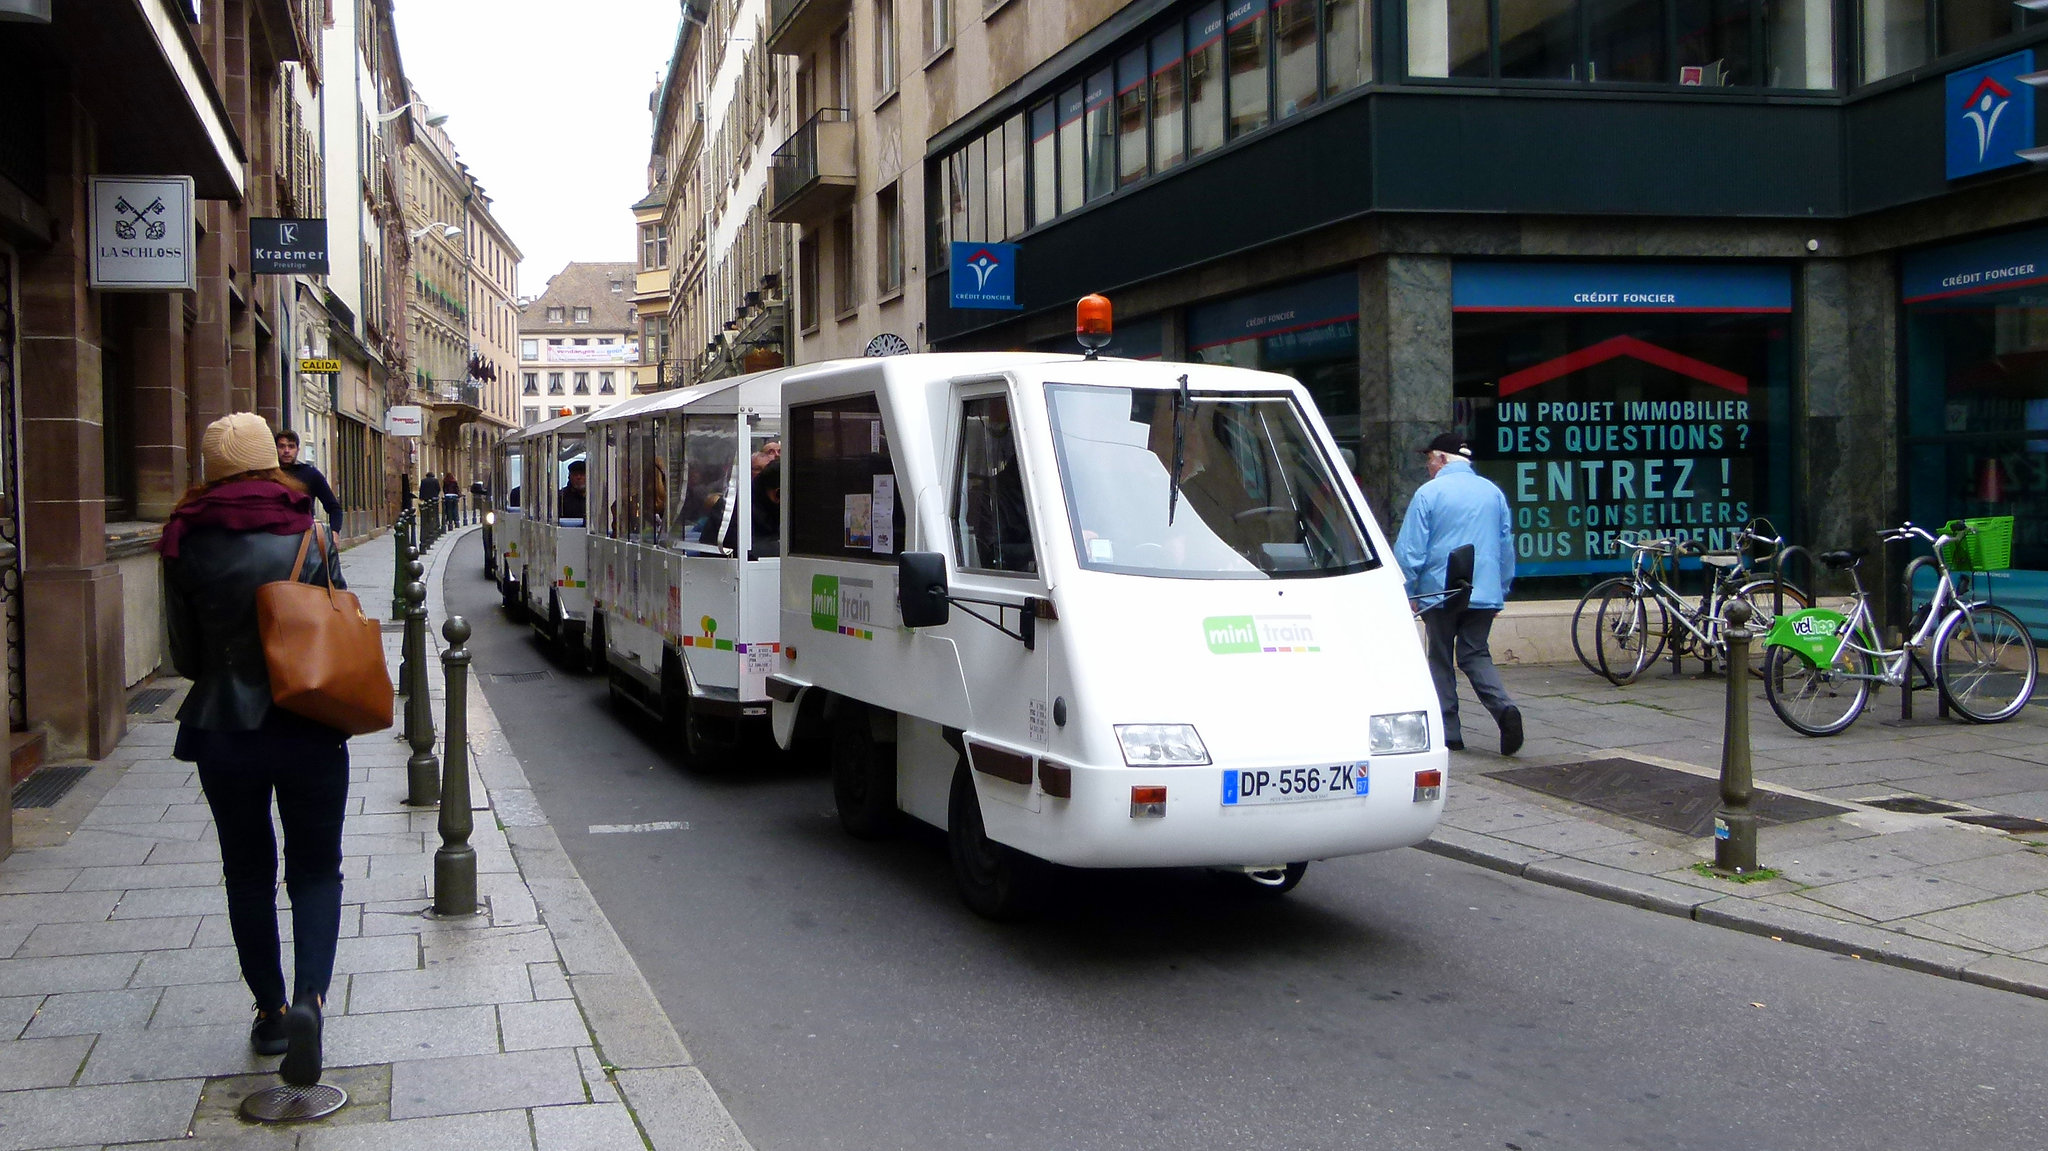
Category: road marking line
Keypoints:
(634, 828)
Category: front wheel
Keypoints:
(1767, 600)
(1585, 621)
(1815, 700)
(863, 775)
(1632, 626)
(995, 881)
(1985, 663)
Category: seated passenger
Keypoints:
(571, 506)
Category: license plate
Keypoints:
(1243, 786)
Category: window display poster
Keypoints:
(882, 516)
(860, 521)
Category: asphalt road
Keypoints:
(837, 995)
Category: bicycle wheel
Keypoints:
(1631, 630)
(1585, 621)
(1984, 662)
(1763, 598)
(1814, 700)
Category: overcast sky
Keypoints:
(547, 104)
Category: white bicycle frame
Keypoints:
(1893, 662)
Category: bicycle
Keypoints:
(1819, 665)
(1640, 614)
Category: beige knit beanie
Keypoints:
(238, 443)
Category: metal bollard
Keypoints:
(455, 862)
(1735, 823)
(399, 534)
(414, 570)
(422, 779)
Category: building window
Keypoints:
(532, 415)
(938, 31)
(554, 383)
(582, 409)
(582, 316)
(653, 251)
(532, 384)
(1625, 41)
(605, 386)
(1295, 88)
(529, 349)
(1205, 80)
(1013, 176)
(1099, 136)
(554, 315)
(1131, 82)
(845, 282)
(1044, 166)
(1347, 44)
(885, 46)
(1073, 172)
(1251, 105)
(582, 383)
(807, 284)
(1169, 98)
(888, 241)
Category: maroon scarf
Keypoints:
(251, 505)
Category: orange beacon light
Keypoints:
(1091, 323)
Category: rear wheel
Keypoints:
(1270, 882)
(996, 881)
(1767, 601)
(1816, 700)
(863, 774)
(1985, 663)
(1585, 622)
(1631, 628)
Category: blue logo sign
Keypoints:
(1990, 115)
(985, 276)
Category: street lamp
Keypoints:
(449, 231)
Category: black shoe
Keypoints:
(1454, 745)
(1511, 731)
(301, 1066)
(266, 1035)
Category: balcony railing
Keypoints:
(814, 170)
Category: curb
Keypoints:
(666, 1094)
(1737, 913)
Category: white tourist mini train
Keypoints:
(542, 572)
(1096, 613)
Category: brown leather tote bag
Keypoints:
(326, 657)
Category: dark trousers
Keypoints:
(1457, 640)
(239, 774)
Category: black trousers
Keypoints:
(240, 773)
(1458, 640)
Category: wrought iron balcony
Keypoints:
(814, 170)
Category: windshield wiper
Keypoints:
(1181, 402)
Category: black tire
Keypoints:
(1813, 700)
(1985, 663)
(863, 774)
(996, 882)
(1585, 618)
(1632, 627)
(1265, 885)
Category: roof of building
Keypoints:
(655, 198)
(606, 289)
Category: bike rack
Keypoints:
(1914, 667)
(1779, 577)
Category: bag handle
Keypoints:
(299, 562)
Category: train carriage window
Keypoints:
(710, 452)
(653, 500)
(840, 482)
(678, 520)
(991, 522)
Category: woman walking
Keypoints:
(240, 529)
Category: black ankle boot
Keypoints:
(301, 1066)
(267, 1035)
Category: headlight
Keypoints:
(1393, 734)
(490, 519)
(1161, 745)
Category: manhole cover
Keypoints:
(47, 785)
(516, 676)
(1911, 805)
(149, 699)
(1674, 800)
(289, 1104)
(2016, 824)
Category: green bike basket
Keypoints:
(1987, 548)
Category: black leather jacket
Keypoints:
(210, 610)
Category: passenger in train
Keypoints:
(572, 502)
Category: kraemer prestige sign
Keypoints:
(285, 246)
(141, 232)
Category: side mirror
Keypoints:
(921, 589)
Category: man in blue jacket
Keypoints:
(1458, 506)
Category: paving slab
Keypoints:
(94, 1012)
(491, 1131)
(2014, 924)
(93, 1116)
(475, 1083)
(355, 1039)
(29, 1063)
(584, 1127)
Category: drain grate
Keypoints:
(517, 676)
(46, 786)
(146, 701)
(2015, 824)
(1674, 800)
(1911, 805)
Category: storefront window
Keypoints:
(1130, 116)
(1013, 177)
(1894, 37)
(1250, 102)
(1625, 41)
(1448, 38)
(1205, 80)
(1307, 330)
(1539, 40)
(1628, 41)
(1072, 167)
(1101, 135)
(1294, 49)
(1975, 418)
(1714, 37)
(1618, 402)
(1347, 44)
(1168, 99)
(1044, 166)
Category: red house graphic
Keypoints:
(1618, 347)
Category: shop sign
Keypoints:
(320, 367)
(984, 276)
(285, 246)
(403, 420)
(1989, 115)
(141, 233)
(1480, 286)
(1279, 312)
(1992, 264)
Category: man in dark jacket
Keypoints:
(316, 484)
(430, 501)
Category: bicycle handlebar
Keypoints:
(1910, 530)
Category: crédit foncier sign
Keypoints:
(141, 234)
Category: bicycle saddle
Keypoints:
(1846, 558)
(1721, 559)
